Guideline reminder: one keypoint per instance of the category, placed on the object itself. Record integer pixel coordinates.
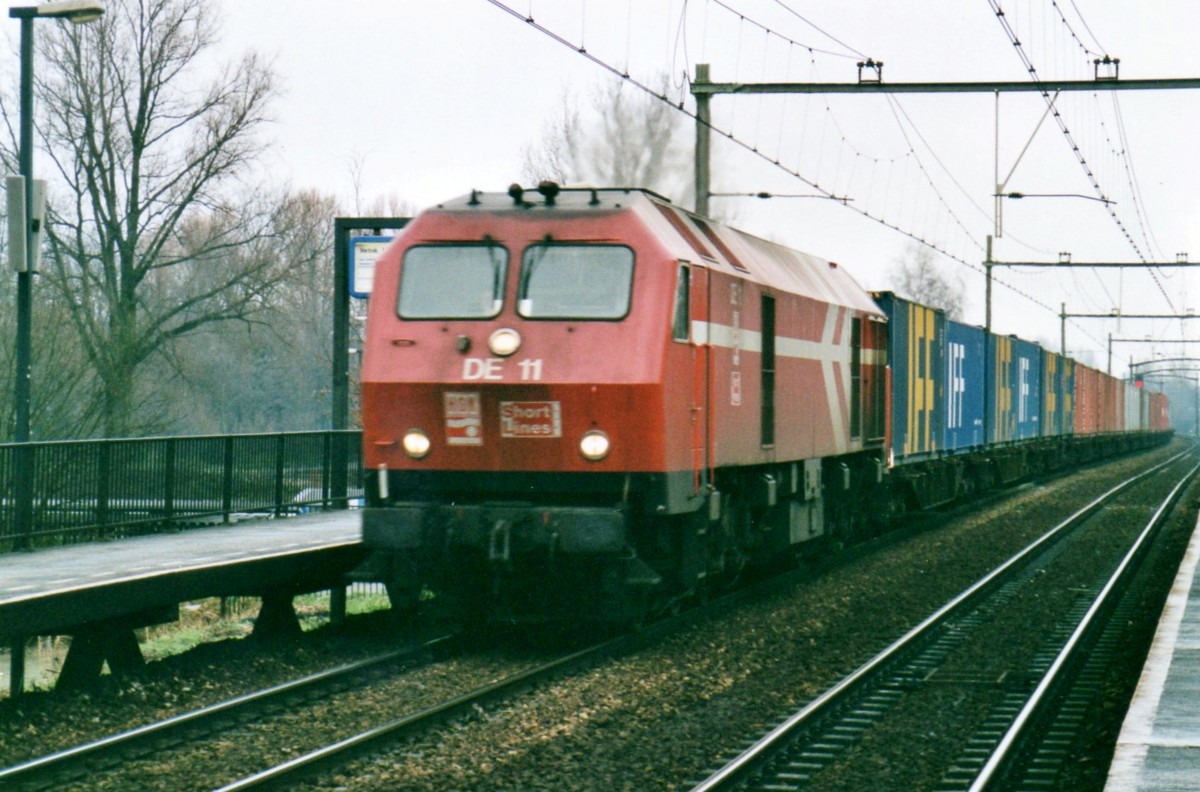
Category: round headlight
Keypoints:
(504, 342)
(416, 443)
(594, 445)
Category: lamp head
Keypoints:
(77, 11)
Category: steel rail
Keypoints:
(62, 761)
(739, 767)
(1005, 751)
(432, 715)
(465, 703)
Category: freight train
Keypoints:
(586, 403)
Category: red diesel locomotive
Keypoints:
(579, 400)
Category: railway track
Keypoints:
(330, 756)
(51, 770)
(154, 744)
(303, 763)
(1036, 750)
(154, 741)
(383, 735)
(910, 702)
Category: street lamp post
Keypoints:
(78, 12)
(24, 276)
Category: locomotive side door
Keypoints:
(698, 310)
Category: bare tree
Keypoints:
(60, 375)
(627, 138)
(150, 201)
(920, 279)
(271, 372)
(390, 205)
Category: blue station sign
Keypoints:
(364, 252)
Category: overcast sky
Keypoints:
(436, 98)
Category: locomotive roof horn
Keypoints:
(517, 193)
(549, 191)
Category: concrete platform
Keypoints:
(1159, 746)
(98, 592)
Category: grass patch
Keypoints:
(214, 619)
(200, 622)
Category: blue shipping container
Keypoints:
(1014, 394)
(966, 364)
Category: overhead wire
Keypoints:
(1083, 22)
(816, 27)
(910, 154)
(1134, 186)
(680, 39)
(1124, 154)
(830, 115)
(893, 106)
(1071, 141)
(774, 161)
(853, 54)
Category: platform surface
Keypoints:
(37, 587)
(1159, 746)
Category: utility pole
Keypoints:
(1062, 331)
(703, 141)
(987, 274)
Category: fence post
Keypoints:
(337, 604)
(227, 480)
(103, 482)
(16, 667)
(169, 482)
(279, 474)
(326, 468)
(339, 481)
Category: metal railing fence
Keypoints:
(83, 490)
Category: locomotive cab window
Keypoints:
(681, 322)
(575, 282)
(452, 282)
